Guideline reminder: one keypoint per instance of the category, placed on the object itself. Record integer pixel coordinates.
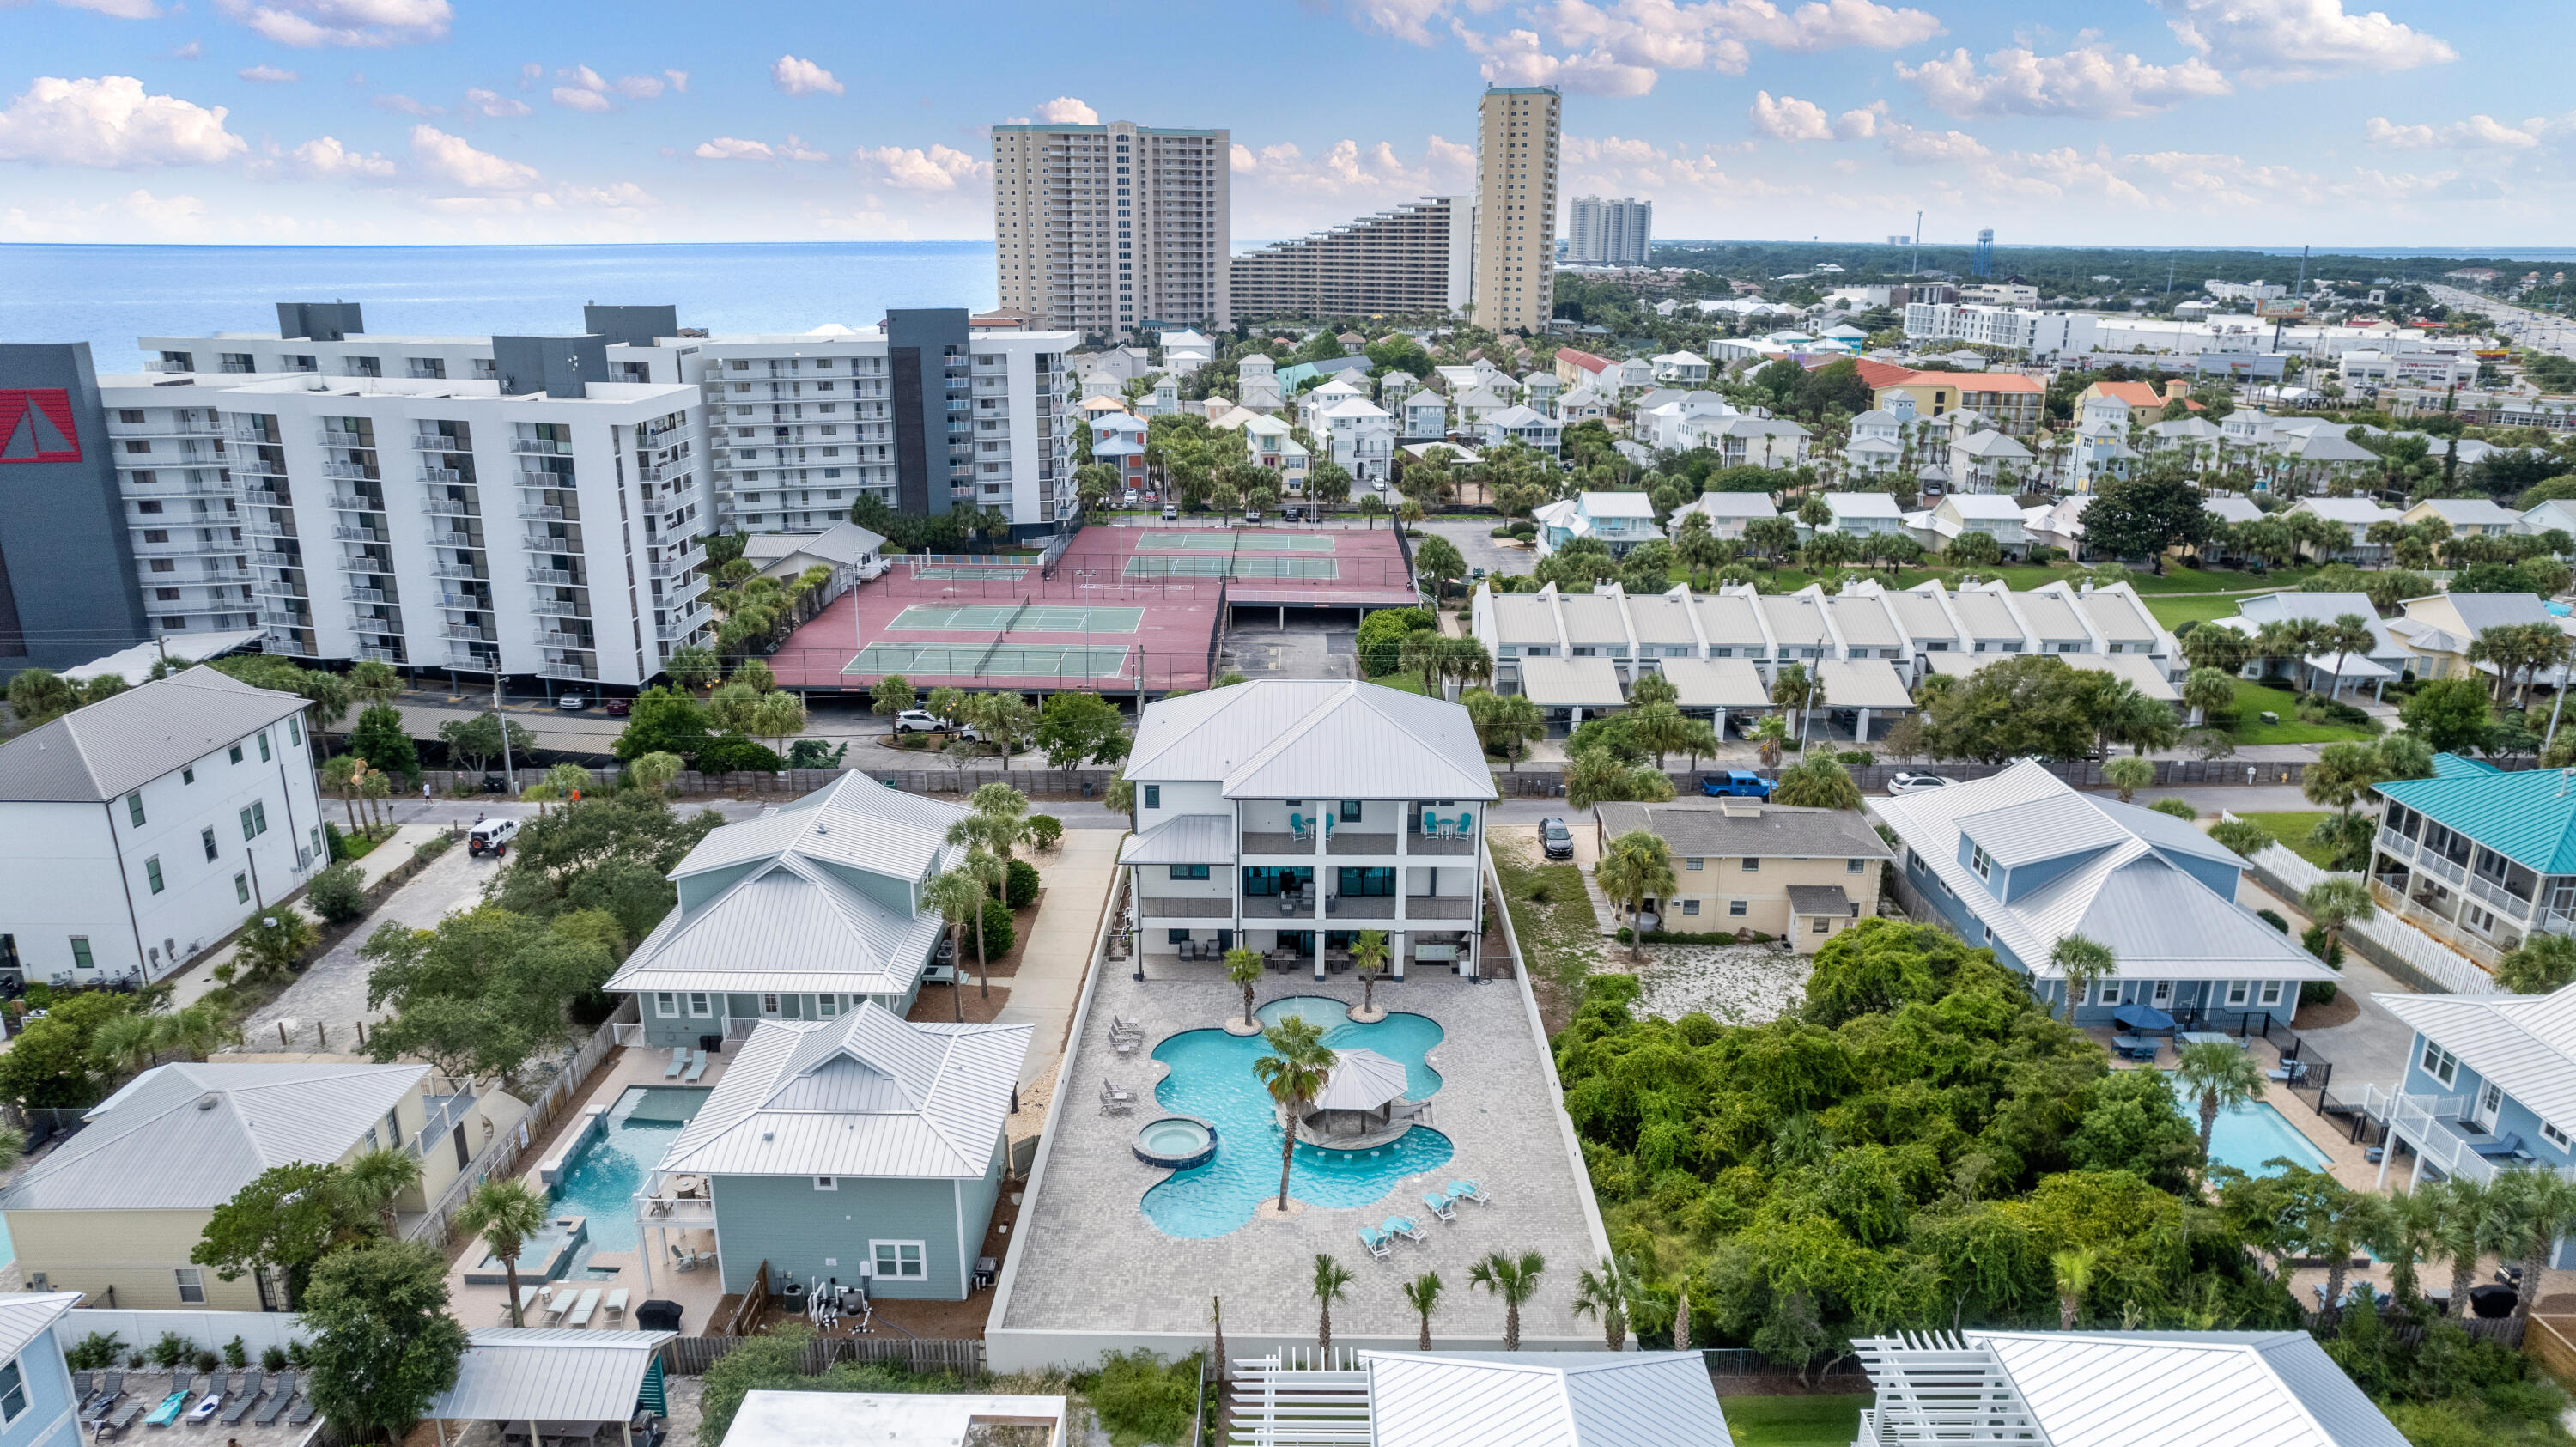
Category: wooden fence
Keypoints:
(690, 1356)
(2552, 1341)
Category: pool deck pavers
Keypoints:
(1087, 1261)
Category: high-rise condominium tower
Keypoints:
(1412, 260)
(1516, 133)
(1609, 233)
(1111, 229)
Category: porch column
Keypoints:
(1325, 810)
(1395, 943)
(1860, 730)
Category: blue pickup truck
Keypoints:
(1734, 783)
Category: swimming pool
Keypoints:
(603, 1174)
(2251, 1134)
(1211, 1077)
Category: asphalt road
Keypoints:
(2541, 331)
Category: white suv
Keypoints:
(922, 721)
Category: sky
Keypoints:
(2141, 122)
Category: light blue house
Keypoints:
(37, 1408)
(1621, 520)
(2490, 1086)
(799, 915)
(860, 1147)
(2020, 861)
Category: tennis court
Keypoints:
(1205, 566)
(1234, 543)
(989, 660)
(1015, 617)
(973, 575)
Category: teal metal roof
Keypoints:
(2528, 817)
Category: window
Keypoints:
(827, 1183)
(2236, 992)
(152, 871)
(1690, 906)
(241, 889)
(192, 1285)
(1176, 937)
(826, 1006)
(1738, 908)
(259, 816)
(80, 954)
(2271, 992)
(1693, 864)
(2440, 1064)
(294, 735)
(699, 1008)
(2553, 1135)
(1189, 871)
(2164, 993)
(13, 1393)
(1350, 811)
(236, 753)
(769, 1004)
(667, 1004)
(898, 1259)
(1153, 796)
(1978, 861)
(1855, 866)
(207, 836)
(187, 776)
(134, 809)
(1822, 926)
(1752, 865)
(263, 748)
(250, 829)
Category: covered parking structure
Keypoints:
(1715, 688)
(1564, 688)
(552, 1387)
(2147, 674)
(1866, 689)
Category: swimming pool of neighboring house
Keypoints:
(603, 1173)
(2252, 1134)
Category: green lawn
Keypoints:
(1819, 1421)
(2173, 610)
(1551, 915)
(2292, 829)
(1401, 682)
(2253, 699)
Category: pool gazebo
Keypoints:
(1363, 1096)
(548, 1386)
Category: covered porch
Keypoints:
(1862, 698)
(1714, 688)
(1568, 690)
(540, 1387)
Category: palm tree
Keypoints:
(1243, 967)
(1330, 1277)
(2463, 1230)
(1659, 728)
(1007, 809)
(124, 1041)
(2206, 691)
(996, 878)
(1515, 1280)
(2334, 903)
(1422, 1293)
(1638, 867)
(374, 681)
(1768, 734)
(1368, 961)
(2074, 1272)
(379, 1177)
(2222, 1075)
(958, 895)
(505, 1214)
(2534, 1209)
(1605, 1292)
(2128, 774)
(1294, 1070)
(2402, 1234)
(2348, 634)
(2082, 960)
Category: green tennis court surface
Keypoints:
(1023, 618)
(988, 660)
(1203, 566)
(1234, 543)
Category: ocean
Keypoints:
(109, 295)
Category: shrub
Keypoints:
(208, 1360)
(273, 1359)
(2318, 992)
(334, 844)
(1525, 530)
(171, 1350)
(236, 1354)
(1855, 758)
(1023, 888)
(999, 933)
(95, 1352)
(1382, 636)
(1627, 936)
(729, 753)
(337, 894)
(432, 847)
(1045, 830)
(2314, 942)
(2179, 808)
(1141, 1398)
(2273, 919)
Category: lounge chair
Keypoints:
(527, 1303)
(1375, 1241)
(245, 1399)
(1403, 1226)
(302, 1414)
(275, 1407)
(1469, 1191)
(1115, 1101)
(697, 1067)
(2289, 1073)
(583, 1309)
(679, 1061)
(122, 1421)
(615, 1305)
(97, 1404)
(2507, 1145)
(168, 1411)
(685, 1258)
(1438, 1205)
(84, 1385)
(556, 1305)
(207, 1406)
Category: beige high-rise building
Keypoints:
(1516, 134)
(1112, 229)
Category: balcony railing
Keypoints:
(546, 639)
(347, 534)
(442, 476)
(554, 607)
(1354, 842)
(1437, 906)
(572, 671)
(354, 502)
(537, 512)
(348, 471)
(2504, 900)
(1148, 907)
(446, 506)
(559, 576)
(434, 442)
(544, 446)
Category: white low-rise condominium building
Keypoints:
(2038, 333)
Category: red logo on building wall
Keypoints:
(36, 426)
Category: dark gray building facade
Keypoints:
(68, 590)
(926, 365)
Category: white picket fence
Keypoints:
(2427, 956)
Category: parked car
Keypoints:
(1171, 512)
(1252, 514)
(1918, 783)
(1555, 840)
(492, 837)
(1292, 513)
(1132, 499)
(1734, 783)
(572, 702)
(922, 721)
(617, 707)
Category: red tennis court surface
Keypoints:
(1124, 609)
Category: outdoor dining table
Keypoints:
(2204, 1037)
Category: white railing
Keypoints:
(2436, 961)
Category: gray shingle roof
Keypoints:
(1819, 899)
(1701, 829)
(107, 748)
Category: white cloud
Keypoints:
(803, 77)
(2268, 41)
(734, 148)
(2058, 174)
(121, 9)
(1064, 110)
(323, 158)
(2476, 133)
(495, 104)
(2093, 82)
(1516, 57)
(175, 215)
(530, 74)
(453, 160)
(406, 105)
(936, 169)
(1403, 19)
(266, 74)
(575, 98)
(1622, 46)
(617, 195)
(108, 121)
(1622, 164)
(679, 80)
(366, 23)
(189, 51)
(1908, 142)
(1791, 119)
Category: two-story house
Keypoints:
(114, 1211)
(1312, 406)
(1539, 390)
(2478, 857)
(1681, 369)
(803, 914)
(2490, 1086)
(2468, 517)
(1118, 440)
(1728, 512)
(1583, 403)
(1423, 417)
(1360, 436)
(1256, 383)
(1800, 875)
(2389, 656)
(1527, 426)
(1284, 815)
(142, 829)
(2019, 861)
(1621, 520)
(37, 1404)
(1858, 513)
(899, 1129)
(2441, 628)
(2355, 515)
(1988, 462)
(1993, 514)
(1270, 443)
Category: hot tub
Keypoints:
(1176, 1142)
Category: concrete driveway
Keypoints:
(1476, 543)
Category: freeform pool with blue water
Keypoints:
(1212, 1078)
(2251, 1134)
(601, 1179)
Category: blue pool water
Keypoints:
(1211, 1077)
(602, 1177)
(2251, 1134)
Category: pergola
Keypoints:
(554, 1385)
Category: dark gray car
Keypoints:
(1555, 840)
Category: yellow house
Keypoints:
(114, 1211)
(2010, 400)
(1805, 875)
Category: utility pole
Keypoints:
(507, 769)
(1918, 242)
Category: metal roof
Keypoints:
(1572, 682)
(2528, 816)
(1923, 616)
(1862, 683)
(2146, 674)
(866, 1094)
(101, 750)
(1297, 738)
(791, 919)
(1543, 1399)
(1733, 505)
(1524, 618)
(2117, 1389)
(1361, 1079)
(548, 1374)
(1730, 621)
(2525, 1045)
(190, 1135)
(854, 822)
(1863, 504)
(137, 661)
(1862, 621)
(1592, 619)
(1704, 828)
(1617, 505)
(1186, 839)
(1984, 615)
(2050, 617)
(1797, 619)
(844, 543)
(1716, 683)
(25, 1316)
(786, 1418)
(1661, 618)
(2117, 612)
